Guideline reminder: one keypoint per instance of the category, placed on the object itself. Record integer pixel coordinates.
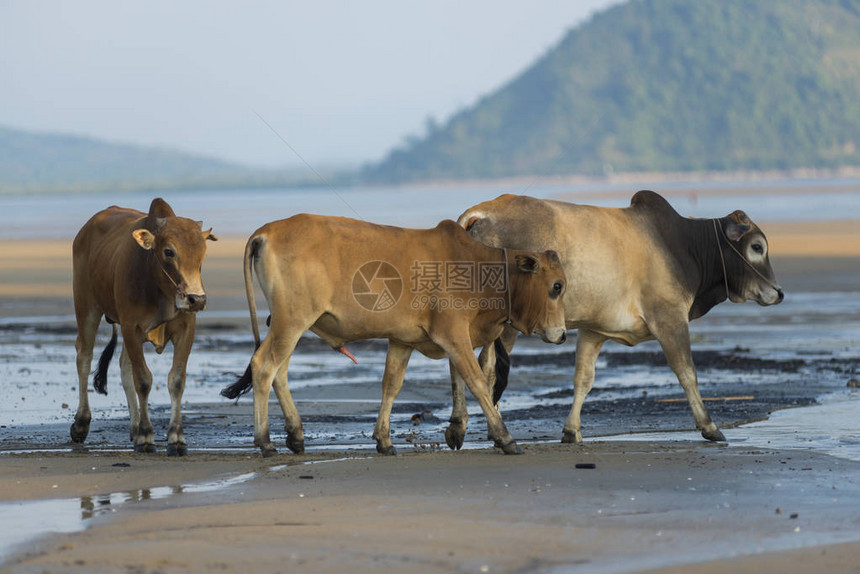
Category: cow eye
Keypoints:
(169, 253)
(557, 287)
(758, 248)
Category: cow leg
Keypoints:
(588, 345)
(455, 434)
(127, 375)
(88, 323)
(392, 381)
(463, 360)
(292, 420)
(133, 346)
(676, 347)
(182, 335)
(273, 354)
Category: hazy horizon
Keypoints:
(342, 83)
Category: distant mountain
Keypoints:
(48, 162)
(664, 85)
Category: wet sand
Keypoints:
(642, 506)
(659, 505)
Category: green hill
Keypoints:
(31, 161)
(664, 85)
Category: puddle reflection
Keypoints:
(26, 520)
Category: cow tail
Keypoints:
(246, 381)
(251, 253)
(503, 369)
(100, 375)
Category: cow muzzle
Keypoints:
(556, 336)
(770, 296)
(190, 302)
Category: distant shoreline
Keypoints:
(519, 184)
(736, 178)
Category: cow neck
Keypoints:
(722, 257)
(713, 286)
(507, 285)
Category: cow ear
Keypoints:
(553, 257)
(527, 263)
(208, 234)
(739, 216)
(144, 238)
(734, 231)
(159, 222)
(738, 226)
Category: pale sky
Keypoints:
(340, 81)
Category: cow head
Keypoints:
(178, 246)
(749, 276)
(537, 284)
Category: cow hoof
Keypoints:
(146, 448)
(568, 437)
(268, 451)
(79, 433)
(386, 450)
(511, 448)
(297, 445)
(715, 435)
(454, 438)
(177, 449)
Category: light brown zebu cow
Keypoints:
(636, 274)
(434, 290)
(142, 273)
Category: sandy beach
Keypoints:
(633, 506)
(43, 269)
(628, 506)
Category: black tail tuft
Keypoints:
(240, 387)
(100, 376)
(503, 369)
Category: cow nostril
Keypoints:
(563, 338)
(780, 295)
(196, 300)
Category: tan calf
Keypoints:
(437, 291)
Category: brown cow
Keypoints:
(641, 273)
(141, 272)
(347, 280)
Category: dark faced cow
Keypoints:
(635, 274)
(142, 273)
(437, 291)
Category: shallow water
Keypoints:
(783, 356)
(831, 427)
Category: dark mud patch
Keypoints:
(643, 413)
(211, 340)
(737, 359)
